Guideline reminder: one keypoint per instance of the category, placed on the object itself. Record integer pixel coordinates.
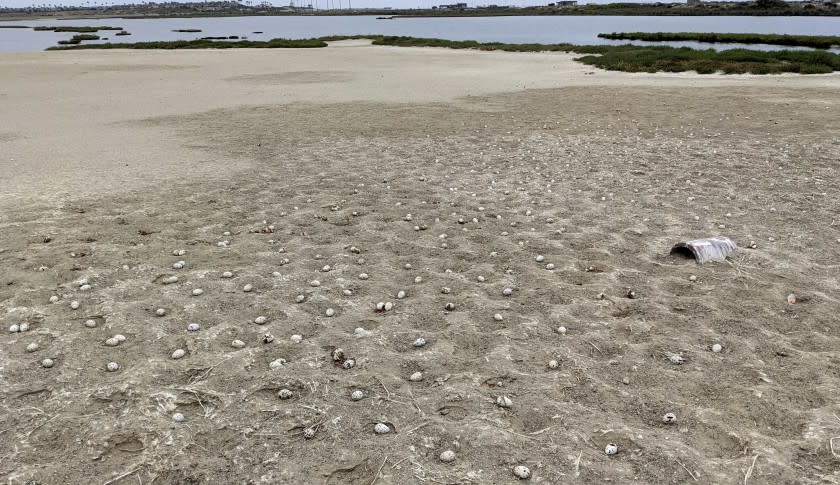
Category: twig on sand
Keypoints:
(749, 472)
(577, 464)
(116, 479)
(416, 428)
(378, 471)
(831, 446)
(397, 463)
(593, 345)
(686, 469)
(39, 426)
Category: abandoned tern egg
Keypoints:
(447, 456)
(330, 312)
(85, 287)
(267, 338)
(361, 332)
(120, 338)
(347, 292)
(363, 276)
(326, 268)
(14, 328)
(179, 265)
(692, 278)
(498, 317)
(445, 290)
(74, 305)
(349, 364)
(507, 291)
(357, 395)
(54, 299)
(112, 367)
(23, 327)
(197, 291)
(504, 402)
(561, 330)
(309, 433)
(549, 266)
(170, 280)
(193, 327)
(90, 323)
(337, 354)
(315, 283)
(227, 274)
(716, 348)
(611, 449)
(416, 377)
(418, 279)
(379, 307)
(676, 359)
(407, 266)
(276, 364)
(178, 353)
(522, 472)
(450, 306)
(112, 342)
(389, 306)
(669, 418)
(381, 428)
(261, 320)
(296, 339)
(420, 342)
(47, 363)
(160, 312)
(276, 274)
(237, 344)
(400, 295)
(300, 299)
(540, 258)
(285, 394)
(32, 347)
(178, 417)
(480, 279)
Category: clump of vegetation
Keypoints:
(187, 30)
(816, 41)
(14, 27)
(75, 29)
(77, 39)
(230, 37)
(123, 32)
(204, 44)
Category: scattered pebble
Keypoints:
(549, 266)
(480, 279)
(540, 258)
(178, 353)
(170, 280)
(791, 299)
(296, 339)
(381, 428)
(418, 280)
(300, 299)
(522, 472)
(314, 283)
(445, 290)
(692, 278)
(363, 276)
(32, 347)
(261, 320)
(498, 317)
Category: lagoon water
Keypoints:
(530, 29)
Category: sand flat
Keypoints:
(112, 160)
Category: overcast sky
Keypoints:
(320, 3)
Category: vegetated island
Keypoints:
(80, 30)
(235, 9)
(627, 58)
(78, 38)
(187, 30)
(816, 41)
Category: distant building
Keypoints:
(564, 3)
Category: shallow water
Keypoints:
(556, 29)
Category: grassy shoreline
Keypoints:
(816, 41)
(626, 58)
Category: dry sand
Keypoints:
(111, 160)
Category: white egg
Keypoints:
(112, 342)
(416, 377)
(193, 327)
(85, 288)
(330, 312)
(178, 417)
(14, 328)
(407, 266)
(420, 342)
(112, 367)
(248, 288)
(160, 312)
(120, 338)
(227, 274)
(389, 306)
(169, 280)
(504, 402)
(553, 364)
(364, 276)
(361, 332)
(347, 292)
(74, 305)
(400, 295)
(507, 291)
(549, 266)
(716, 348)
(522, 472)
(179, 265)
(480, 279)
(261, 320)
(47, 363)
(540, 258)
(197, 291)
(24, 327)
(449, 306)
(447, 456)
(237, 344)
(90, 323)
(561, 330)
(178, 353)
(381, 428)
(357, 395)
(326, 268)
(309, 433)
(179, 252)
(418, 279)
(611, 449)
(498, 317)
(296, 339)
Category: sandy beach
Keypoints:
(329, 180)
